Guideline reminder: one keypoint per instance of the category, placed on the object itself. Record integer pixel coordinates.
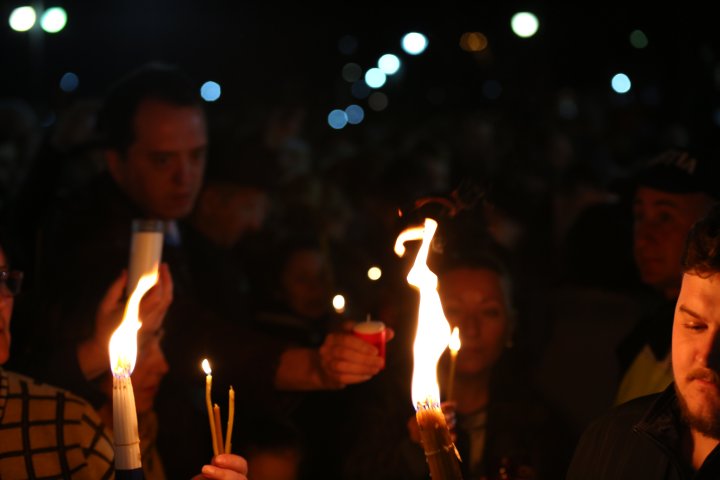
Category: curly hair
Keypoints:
(701, 254)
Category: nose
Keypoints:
(645, 233)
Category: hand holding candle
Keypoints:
(214, 414)
(372, 332)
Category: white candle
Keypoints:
(123, 353)
(145, 250)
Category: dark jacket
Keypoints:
(639, 440)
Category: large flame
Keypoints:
(123, 343)
(433, 330)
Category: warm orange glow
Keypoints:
(473, 42)
(206, 367)
(433, 330)
(123, 343)
(454, 343)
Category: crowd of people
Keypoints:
(572, 299)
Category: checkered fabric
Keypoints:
(49, 433)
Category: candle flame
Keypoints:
(206, 366)
(433, 330)
(123, 343)
(454, 342)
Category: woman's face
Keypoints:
(474, 301)
(306, 284)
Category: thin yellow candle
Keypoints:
(208, 404)
(454, 345)
(218, 428)
(231, 419)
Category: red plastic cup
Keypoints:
(372, 332)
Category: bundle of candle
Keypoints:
(431, 339)
(214, 414)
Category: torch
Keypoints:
(123, 353)
(431, 339)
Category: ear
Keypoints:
(116, 166)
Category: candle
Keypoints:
(145, 250)
(231, 419)
(431, 339)
(454, 345)
(123, 353)
(218, 428)
(208, 404)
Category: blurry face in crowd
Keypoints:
(662, 221)
(6, 308)
(696, 352)
(247, 209)
(474, 301)
(162, 170)
(305, 283)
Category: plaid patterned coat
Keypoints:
(46, 432)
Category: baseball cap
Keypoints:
(681, 171)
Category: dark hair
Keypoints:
(153, 81)
(702, 247)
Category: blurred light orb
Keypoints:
(638, 39)
(375, 78)
(347, 44)
(338, 303)
(337, 119)
(355, 114)
(378, 101)
(69, 82)
(524, 24)
(351, 72)
(210, 91)
(389, 64)
(53, 19)
(374, 273)
(621, 83)
(414, 43)
(473, 42)
(22, 19)
(360, 89)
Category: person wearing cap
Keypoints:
(674, 434)
(672, 191)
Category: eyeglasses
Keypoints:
(10, 282)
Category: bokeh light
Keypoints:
(621, 83)
(524, 24)
(414, 43)
(375, 78)
(22, 19)
(351, 72)
(69, 82)
(389, 63)
(378, 101)
(210, 91)
(337, 119)
(374, 273)
(338, 302)
(638, 39)
(53, 19)
(473, 42)
(355, 114)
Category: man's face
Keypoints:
(6, 308)
(162, 170)
(696, 352)
(662, 221)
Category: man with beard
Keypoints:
(674, 434)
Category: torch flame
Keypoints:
(454, 343)
(123, 343)
(433, 330)
(206, 366)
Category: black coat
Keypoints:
(638, 440)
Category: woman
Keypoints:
(502, 429)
